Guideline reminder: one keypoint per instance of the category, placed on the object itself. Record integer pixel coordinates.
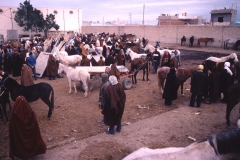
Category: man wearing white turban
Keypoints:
(114, 102)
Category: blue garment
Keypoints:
(31, 61)
(155, 64)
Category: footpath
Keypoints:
(178, 124)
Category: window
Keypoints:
(71, 12)
(1, 11)
(55, 12)
(220, 19)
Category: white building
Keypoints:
(69, 19)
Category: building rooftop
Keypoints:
(222, 11)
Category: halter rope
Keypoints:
(5, 80)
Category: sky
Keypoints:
(133, 11)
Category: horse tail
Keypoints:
(52, 99)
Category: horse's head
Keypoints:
(234, 57)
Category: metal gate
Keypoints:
(12, 34)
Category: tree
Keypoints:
(32, 19)
(25, 16)
(49, 23)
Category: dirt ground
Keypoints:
(77, 118)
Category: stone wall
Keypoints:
(171, 34)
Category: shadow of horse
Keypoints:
(182, 75)
(204, 40)
(42, 90)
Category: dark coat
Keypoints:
(114, 98)
(226, 80)
(109, 60)
(7, 62)
(52, 66)
(214, 84)
(171, 86)
(199, 83)
(101, 62)
(16, 64)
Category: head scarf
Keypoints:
(113, 80)
(226, 66)
(104, 77)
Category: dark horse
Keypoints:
(234, 98)
(205, 40)
(4, 99)
(31, 93)
(140, 64)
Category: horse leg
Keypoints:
(85, 88)
(74, 85)
(1, 113)
(4, 110)
(143, 74)
(70, 85)
(230, 106)
(46, 100)
(182, 89)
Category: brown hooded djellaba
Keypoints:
(114, 103)
(52, 66)
(25, 140)
(26, 76)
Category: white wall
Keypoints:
(70, 22)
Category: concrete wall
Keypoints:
(171, 34)
(66, 21)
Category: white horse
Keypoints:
(134, 55)
(161, 51)
(74, 76)
(224, 59)
(68, 60)
(214, 148)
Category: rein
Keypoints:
(5, 80)
(2, 91)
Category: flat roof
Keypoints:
(223, 11)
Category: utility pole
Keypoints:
(130, 16)
(143, 13)
(64, 22)
(78, 23)
(11, 17)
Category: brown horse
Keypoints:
(182, 75)
(205, 40)
(234, 98)
(140, 64)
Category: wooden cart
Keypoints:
(125, 76)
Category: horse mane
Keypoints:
(228, 142)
